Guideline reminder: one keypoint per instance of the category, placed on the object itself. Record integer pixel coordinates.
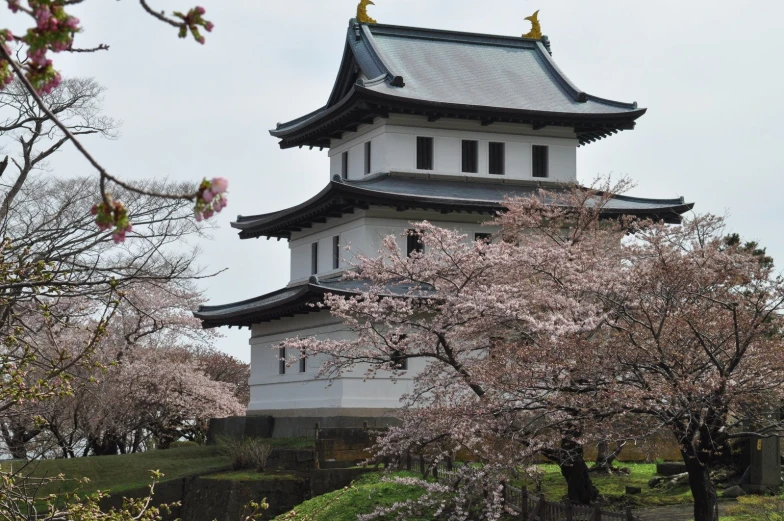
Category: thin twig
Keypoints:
(160, 16)
(101, 170)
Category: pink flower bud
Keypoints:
(207, 196)
(219, 185)
(200, 10)
(209, 26)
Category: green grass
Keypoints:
(367, 493)
(756, 508)
(131, 471)
(613, 487)
(291, 443)
(120, 473)
(251, 475)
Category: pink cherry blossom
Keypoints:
(219, 185)
(566, 318)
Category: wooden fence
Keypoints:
(528, 507)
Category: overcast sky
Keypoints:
(710, 74)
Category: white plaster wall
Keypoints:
(363, 233)
(349, 228)
(354, 144)
(271, 391)
(394, 148)
(300, 261)
(448, 154)
(401, 153)
(563, 163)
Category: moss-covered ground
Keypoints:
(613, 487)
(367, 492)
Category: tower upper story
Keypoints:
(425, 101)
(428, 124)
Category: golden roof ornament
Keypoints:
(362, 15)
(536, 29)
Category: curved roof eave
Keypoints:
(339, 197)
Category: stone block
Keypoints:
(733, 492)
(670, 469)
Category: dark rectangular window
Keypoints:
(483, 237)
(470, 157)
(424, 153)
(540, 161)
(413, 243)
(282, 361)
(335, 252)
(302, 362)
(314, 258)
(399, 361)
(344, 166)
(368, 148)
(497, 158)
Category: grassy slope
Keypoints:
(368, 492)
(119, 473)
(613, 487)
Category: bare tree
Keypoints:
(58, 272)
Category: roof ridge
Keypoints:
(428, 33)
(395, 80)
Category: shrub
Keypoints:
(183, 443)
(758, 508)
(245, 453)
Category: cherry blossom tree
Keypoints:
(145, 384)
(695, 337)
(487, 319)
(222, 367)
(566, 330)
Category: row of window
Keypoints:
(470, 157)
(282, 362)
(413, 243)
(314, 255)
(496, 156)
(368, 157)
(397, 359)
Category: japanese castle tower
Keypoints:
(420, 124)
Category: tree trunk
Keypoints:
(706, 503)
(17, 441)
(605, 457)
(580, 488)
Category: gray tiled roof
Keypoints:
(476, 71)
(288, 302)
(444, 193)
(488, 191)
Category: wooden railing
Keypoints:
(528, 507)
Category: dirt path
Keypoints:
(673, 513)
